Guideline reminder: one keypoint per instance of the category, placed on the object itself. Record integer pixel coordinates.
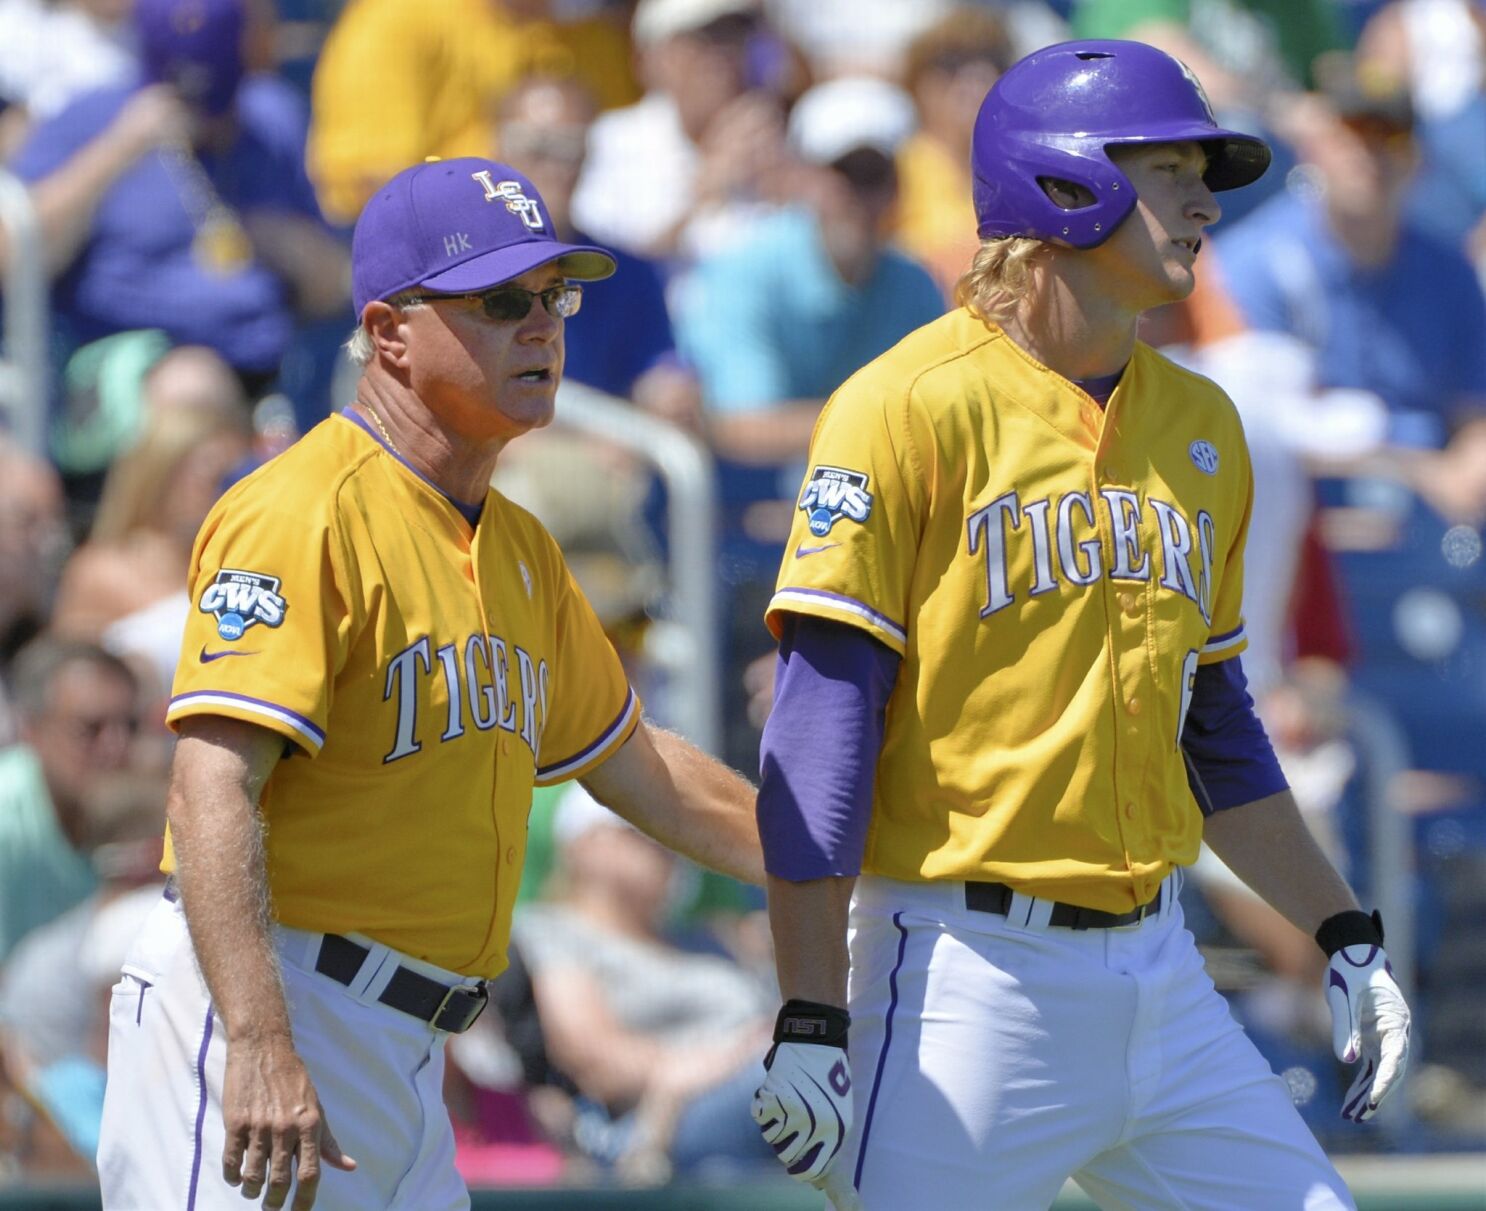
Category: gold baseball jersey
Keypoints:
(1051, 573)
(426, 674)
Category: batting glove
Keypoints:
(803, 1108)
(1369, 1017)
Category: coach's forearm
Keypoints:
(808, 921)
(217, 834)
(1267, 844)
(667, 787)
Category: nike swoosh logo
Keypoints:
(802, 551)
(208, 657)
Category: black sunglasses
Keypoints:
(508, 304)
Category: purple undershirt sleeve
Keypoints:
(1230, 761)
(818, 758)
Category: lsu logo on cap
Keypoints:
(834, 493)
(510, 192)
(240, 599)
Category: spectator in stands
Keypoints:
(180, 202)
(54, 987)
(1336, 263)
(33, 544)
(1438, 48)
(777, 323)
(655, 1039)
(78, 717)
(125, 587)
(950, 68)
(397, 83)
(691, 164)
(621, 341)
(54, 51)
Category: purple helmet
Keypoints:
(1055, 114)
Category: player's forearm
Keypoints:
(218, 838)
(808, 920)
(1267, 844)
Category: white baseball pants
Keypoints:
(995, 1056)
(378, 1072)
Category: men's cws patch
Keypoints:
(239, 600)
(454, 665)
(832, 493)
(1052, 574)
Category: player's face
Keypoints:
(488, 378)
(1149, 259)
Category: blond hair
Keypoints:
(999, 277)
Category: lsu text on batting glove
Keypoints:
(1369, 1017)
(803, 1108)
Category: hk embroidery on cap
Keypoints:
(509, 192)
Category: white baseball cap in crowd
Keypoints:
(844, 115)
(657, 20)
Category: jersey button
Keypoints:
(1132, 705)
(1129, 602)
(1129, 811)
(510, 855)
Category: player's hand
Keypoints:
(1369, 1022)
(277, 1134)
(804, 1107)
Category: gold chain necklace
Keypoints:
(381, 428)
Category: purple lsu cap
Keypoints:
(197, 45)
(457, 227)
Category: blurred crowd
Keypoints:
(786, 184)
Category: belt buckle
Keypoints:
(461, 1016)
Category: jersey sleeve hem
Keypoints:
(287, 723)
(819, 603)
(609, 742)
(1223, 647)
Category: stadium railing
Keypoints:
(26, 334)
(686, 644)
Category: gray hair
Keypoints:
(359, 347)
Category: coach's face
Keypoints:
(487, 378)
(1149, 259)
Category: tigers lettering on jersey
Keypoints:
(1066, 547)
(431, 673)
(239, 600)
(477, 675)
(1051, 574)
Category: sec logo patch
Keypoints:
(1204, 456)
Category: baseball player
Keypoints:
(1011, 604)
(383, 658)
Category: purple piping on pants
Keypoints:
(206, 1039)
(887, 1039)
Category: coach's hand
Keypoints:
(803, 1108)
(1369, 1017)
(272, 1115)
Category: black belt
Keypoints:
(996, 898)
(453, 1009)
(442, 1007)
